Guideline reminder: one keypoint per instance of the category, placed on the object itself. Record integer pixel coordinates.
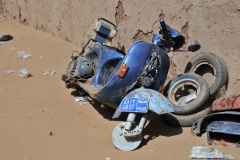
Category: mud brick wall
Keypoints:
(1, 7)
(214, 24)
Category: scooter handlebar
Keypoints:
(164, 29)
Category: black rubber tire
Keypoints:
(183, 80)
(216, 63)
(185, 120)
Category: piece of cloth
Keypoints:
(229, 102)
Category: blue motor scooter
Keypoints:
(126, 82)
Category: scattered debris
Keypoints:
(81, 98)
(49, 72)
(10, 71)
(24, 55)
(83, 103)
(222, 143)
(1, 43)
(6, 38)
(238, 144)
(208, 152)
(12, 48)
(222, 122)
(108, 158)
(41, 56)
(51, 134)
(23, 73)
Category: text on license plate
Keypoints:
(139, 105)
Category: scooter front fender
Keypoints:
(157, 102)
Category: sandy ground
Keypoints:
(40, 119)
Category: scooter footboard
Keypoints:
(142, 97)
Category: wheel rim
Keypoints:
(181, 90)
(206, 70)
(122, 143)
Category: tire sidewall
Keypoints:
(202, 93)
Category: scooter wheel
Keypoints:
(123, 143)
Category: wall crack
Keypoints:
(120, 15)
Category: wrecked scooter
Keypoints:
(126, 82)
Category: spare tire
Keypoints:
(211, 67)
(181, 87)
(185, 120)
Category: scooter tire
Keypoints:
(205, 59)
(184, 80)
(185, 120)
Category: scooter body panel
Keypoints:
(111, 88)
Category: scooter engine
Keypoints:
(84, 68)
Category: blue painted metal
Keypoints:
(177, 38)
(156, 39)
(107, 87)
(110, 89)
(227, 127)
(157, 103)
(175, 35)
(202, 123)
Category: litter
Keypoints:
(208, 152)
(12, 48)
(81, 98)
(23, 73)
(10, 71)
(49, 72)
(238, 144)
(41, 56)
(24, 55)
(108, 158)
(83, 103)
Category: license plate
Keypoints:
(138, 105)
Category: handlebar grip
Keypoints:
(163, 24)
(164, 29)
